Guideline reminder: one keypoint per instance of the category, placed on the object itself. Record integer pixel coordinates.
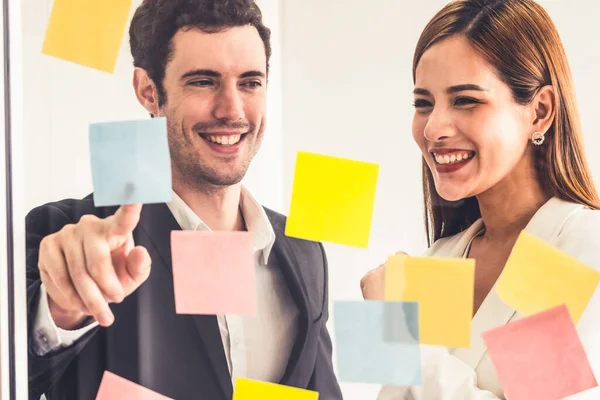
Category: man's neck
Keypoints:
(218, 208)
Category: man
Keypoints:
(100, 288)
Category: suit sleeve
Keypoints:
(323, 379)
(47, 336)
(45, 370)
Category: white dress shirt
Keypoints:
(256, 347)
(468, 373)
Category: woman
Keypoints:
(498, 126)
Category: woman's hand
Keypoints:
(373, 283)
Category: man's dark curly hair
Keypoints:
(155, 22)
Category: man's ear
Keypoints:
(145, 91)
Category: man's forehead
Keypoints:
(231, 51)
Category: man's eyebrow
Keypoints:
(214, 74)
(253, 74)
(200, 72)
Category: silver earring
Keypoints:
(537, 138)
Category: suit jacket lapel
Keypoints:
(290, 269)
(492, 312)
(546, 225)
(157, 222)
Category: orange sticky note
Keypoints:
(332, 200)
(213, 272)
(444, 289)
(540, 357)
(247, 389)
(87, 32)
(114, 387)
(538, 276)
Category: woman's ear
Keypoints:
(145, 91)
(544, 107)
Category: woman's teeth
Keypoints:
(452, 158)
(224, 140)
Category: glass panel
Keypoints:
(340, 84)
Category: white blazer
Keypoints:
(468, 374)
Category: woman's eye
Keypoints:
(465, 101)
(421, 103)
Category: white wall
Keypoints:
(62, 99)
(265, 176)
(348, 92)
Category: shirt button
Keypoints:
(44, 338)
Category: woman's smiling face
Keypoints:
(469, 128)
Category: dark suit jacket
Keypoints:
(179, 356)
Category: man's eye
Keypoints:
(252, 84)
(203, 82)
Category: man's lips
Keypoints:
(225, 139)
(223, 132)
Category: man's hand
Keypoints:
(86, 266)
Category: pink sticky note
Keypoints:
(540, 357)
(114, 387)
(213, 272)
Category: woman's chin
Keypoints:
(453, 195)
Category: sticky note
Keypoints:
(332, 200)
(540, 357)
(87, 32)
(130, 162)
(248, 389)
(364, 352)
(538, 276)
(213, 272)
(444, 289)
(115, 387)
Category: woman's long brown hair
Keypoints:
(519, 39)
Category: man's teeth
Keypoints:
(451, 158)
(224, 140)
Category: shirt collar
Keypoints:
(257, 222)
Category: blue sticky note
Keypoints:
(401, 322)
(370, 349)
(130, 162)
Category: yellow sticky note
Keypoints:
(247, 389)
(87, 32)
(332, 200)
(444, 289)
(538, 276)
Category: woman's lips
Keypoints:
(451, 160)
